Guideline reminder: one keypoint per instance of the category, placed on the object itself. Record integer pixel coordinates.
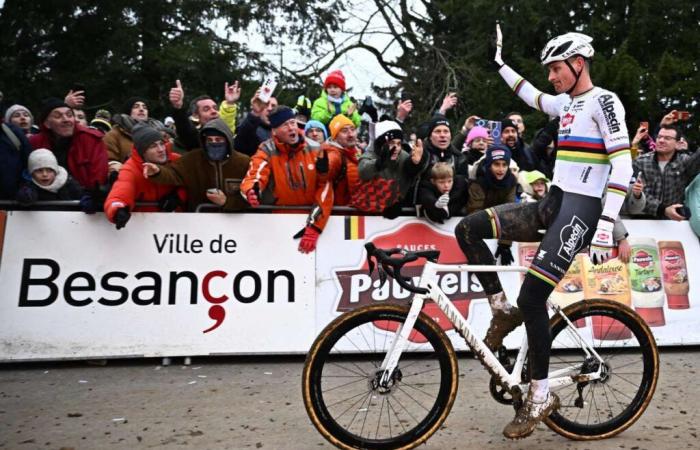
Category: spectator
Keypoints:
(642, 141)
(440, 149)
(315, 131)
(404, 106)
(212, 173)
(49, 181)
(334, 101)
(475, 144)
(255, 128)
(535, 185)
(517, 119)
(445, 195)
(14, 151)
(666, 172)
(388, 171)
(283, 172)
(302, 111)
(76, 147)
(21, 117)
(343, 154)
(202, 109)
(132, 186)
(80, 117)
(118, 140)
(521, 153)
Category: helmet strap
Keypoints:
(576, 74)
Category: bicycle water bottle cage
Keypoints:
(388, 265)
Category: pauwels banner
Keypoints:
(166, 285)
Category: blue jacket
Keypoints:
(13, 162)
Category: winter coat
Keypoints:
(523, 156)
(64, 187)
(118, 140)
(428, 195)
(197, 173)
(131, 187)
(456, 159)
(320, 110)
(13, 160)
(250, 133)
(403, 170)
(86, 157)
(665, 188)
(481, 196)
(342, 170)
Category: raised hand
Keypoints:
(232, 92)
(417, 152)
(75, 99)
(499, 45)
(150, 169)
(177, 95)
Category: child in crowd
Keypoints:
(334, 101)
(476, 143)
(445, 195)
(315, 131)
(49, 181)
(535, 185)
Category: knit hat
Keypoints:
(49, 105)
(101, 124)
(436, 121)
(335, 77)
(316, 124)
(386, 131)
(42, 158)
(280, 115)
(103, 114)
(338, 123)
(13, 109)
(129, 104)
(507, 123)
(496, 152)
(477, 132)
(144, 136)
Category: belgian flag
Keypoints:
(354, 227)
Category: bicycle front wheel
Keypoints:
(340, 381)
(605, 407)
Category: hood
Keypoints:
(220, 126)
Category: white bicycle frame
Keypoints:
(559, 378)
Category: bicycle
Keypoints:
(385, 376)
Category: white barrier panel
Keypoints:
(74, 287)
(199, 284)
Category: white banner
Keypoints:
(202, 284)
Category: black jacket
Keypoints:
(428, 195)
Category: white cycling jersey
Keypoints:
(593, 148)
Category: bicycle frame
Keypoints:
(484, 354)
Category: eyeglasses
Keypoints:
(665, 138)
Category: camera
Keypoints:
(683, 211)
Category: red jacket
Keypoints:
(87, 155)
(132, 187)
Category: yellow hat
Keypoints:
(338, 123)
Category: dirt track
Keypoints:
(240, 403)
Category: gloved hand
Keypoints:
(498, 42)
(122, 217)
(322, 163)
(506, 255)
(169, 202)
(602, 243)
(87, 204)
(309, 239)
(443, 201)
(392, 212)
(26, 195)
(252, 198)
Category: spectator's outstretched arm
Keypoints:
(257, 177)
(186, 132)
(123, 194)
(229, 106)
(418, 162)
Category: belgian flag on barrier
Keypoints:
(354, 227)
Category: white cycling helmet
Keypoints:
(565, 46)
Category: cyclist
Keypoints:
(592, 157)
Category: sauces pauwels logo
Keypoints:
(357, 288)
(642, 258)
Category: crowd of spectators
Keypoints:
(313, 154)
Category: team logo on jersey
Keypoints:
(567, 120)
(571, 237)
(608, 106)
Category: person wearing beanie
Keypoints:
(534, 184)
(339, 122)
(522, 154)
(315, 131)
(49, 181)
(21, 117)
(132, 186)
(100, 124)
(475, 144)
(77, 148)
(211, 173)
(342, 152)
(334, 101)
(283, 172)
(391, 167)
(136, 107)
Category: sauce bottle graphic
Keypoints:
(645, 280)
(675, 274)
(570, 288)
(610, 281)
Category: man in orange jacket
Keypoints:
(283, 172)
(343, 154)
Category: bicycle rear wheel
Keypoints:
(340, 380)
(605, 407)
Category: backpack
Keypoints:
(11, 136)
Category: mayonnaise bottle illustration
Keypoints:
(609, 281)
(645, 280)
(526, 254)
(570, 288)
(675, 274)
